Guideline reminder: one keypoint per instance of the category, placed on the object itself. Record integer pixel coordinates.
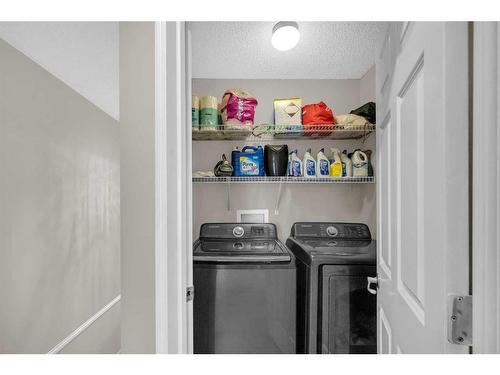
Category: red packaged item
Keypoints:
(317, 120)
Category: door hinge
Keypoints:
(460, 320)
(189, 293)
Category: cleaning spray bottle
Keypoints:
(295, 165)
(346, 164)
(309, 164)
(322, 164)
(335, 163)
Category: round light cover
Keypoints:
(286, 35)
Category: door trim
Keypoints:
(486, 189)
(172, 190)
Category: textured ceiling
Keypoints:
(326, 50)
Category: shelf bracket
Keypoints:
(228, 195)
(278, 199)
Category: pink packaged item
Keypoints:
(238, 109)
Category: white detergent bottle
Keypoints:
(335, 163)
(295, 165)
(346, 164)
(359, 164)
(309, 164)
(322, 164)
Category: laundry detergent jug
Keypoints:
(335, 163)
(322, 164)
(359, 164)
(248, 162)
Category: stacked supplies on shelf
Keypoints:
(275, 160)
(234, 117)
(238, 109)
(288, 116)
(317, 119)
(235, 112)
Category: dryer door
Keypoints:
(348, 316)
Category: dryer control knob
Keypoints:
(332, 231)
(238, 231)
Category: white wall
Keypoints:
(60, 213)
(84, 55)
(137, 143)
(367, 87)
(331, 202)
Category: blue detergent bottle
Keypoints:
(248, 162)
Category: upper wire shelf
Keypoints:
(268, 132)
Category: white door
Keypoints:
(422, 184)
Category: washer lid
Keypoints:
(333, 251)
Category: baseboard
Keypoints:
(73, 335)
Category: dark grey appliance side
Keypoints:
(244, 308)
(307, 299)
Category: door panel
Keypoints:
(416, 142)
(384, 170)
(385, 333)
(410, 177)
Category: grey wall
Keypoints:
(137, 142)
(349, 202)
(60, 212)
(367, 87)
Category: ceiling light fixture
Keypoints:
(286, 35)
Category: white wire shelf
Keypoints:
(284, 180)
(267, 132)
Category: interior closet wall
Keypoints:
(328, 202)
(59, 214)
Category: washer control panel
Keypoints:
(332, 230)
(238, 230)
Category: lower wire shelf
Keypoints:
(284, 180)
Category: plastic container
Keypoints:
(276, 160)
(322, 164)
(309, 164)
(248, 162)
(335, 163)
(359, 164)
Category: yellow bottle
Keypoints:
(335, 163)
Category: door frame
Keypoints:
(486, 188)
(173, 195)
(173, 200)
